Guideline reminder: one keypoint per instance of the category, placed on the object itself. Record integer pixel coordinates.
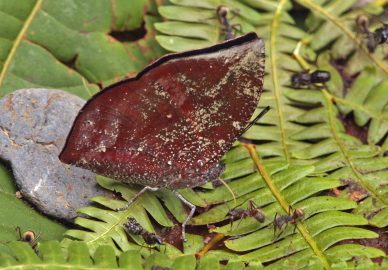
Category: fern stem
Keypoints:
(218, 237)
(274, 72)
(298, 57)
(358, 107)
(285, 205)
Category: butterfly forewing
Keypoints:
(180, 114)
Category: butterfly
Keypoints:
(169, 126)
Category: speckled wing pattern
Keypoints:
(170, 125)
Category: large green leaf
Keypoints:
(16, 212)
(194, 25)
(60, 44)
(333, 22)
(107, 227)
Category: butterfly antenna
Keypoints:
(263, 112)
(191, 214)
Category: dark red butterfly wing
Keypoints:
(170, 125)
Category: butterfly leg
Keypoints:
(136, 197)
(189, 204)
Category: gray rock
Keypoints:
(34, 124)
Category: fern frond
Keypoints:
(332, 22)
(77, 256)
(359, 169)
(322, 226)
(368, 99)
(194, 25)
(107, 225)
(51, 256)
(356, 164)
